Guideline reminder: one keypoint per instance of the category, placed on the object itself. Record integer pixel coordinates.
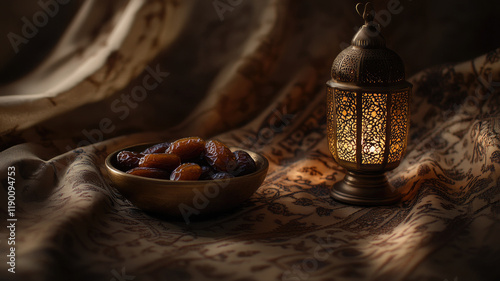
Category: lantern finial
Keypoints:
(367, 13)
(369, 35)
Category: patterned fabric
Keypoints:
(72, 224)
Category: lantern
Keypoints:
(367, 116)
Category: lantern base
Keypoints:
(365, 189)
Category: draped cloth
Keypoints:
(257, 81)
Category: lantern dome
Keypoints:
(368, 61)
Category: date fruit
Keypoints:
(219, 156)
(186, 171)
(149, 172)
(128, 159)
(206, 172)
(244, 163)
(187, 148)
(222, 175)
(157, 148)
(163, 161)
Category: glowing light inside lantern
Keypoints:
(377, 109)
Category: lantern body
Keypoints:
(367, 130)
(367, 118)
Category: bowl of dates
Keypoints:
(187, 177)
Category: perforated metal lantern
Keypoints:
(368, 116)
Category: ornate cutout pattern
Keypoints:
(399, 126)
(345, 102)
(330, 115)
(374, 128)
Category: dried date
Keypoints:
(149, 172)
(164, 161)
(219, 156)
(187, 148)
(244, 163)
(186, 171)
(221, 175)
(128, 159)
(157, 148)
(206, 172)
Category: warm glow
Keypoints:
(346, 125)
(374, 122)
(374, 127)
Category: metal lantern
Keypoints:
(368, 116)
